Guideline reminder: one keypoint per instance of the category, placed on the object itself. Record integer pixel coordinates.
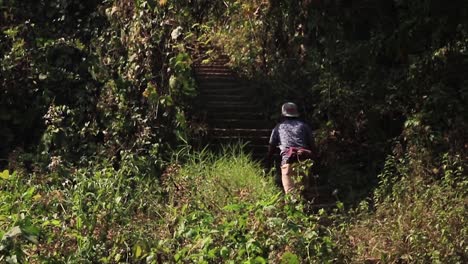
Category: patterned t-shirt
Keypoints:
(291, 133)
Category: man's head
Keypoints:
(289, 109)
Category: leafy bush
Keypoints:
(102, 78)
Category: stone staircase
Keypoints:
(234, 114)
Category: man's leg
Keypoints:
(286, 178)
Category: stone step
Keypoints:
(222, 106)
(238, 97)
(224, 102)
(223, 91)
(239, 123)
(232, 112)
(235, 115)
(213, 69)
(211, 74)
(218, 61)
(216, 78)
(214, 64)
(220, 85)
(209, 87)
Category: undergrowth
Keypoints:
(222, 208)
(210, 209)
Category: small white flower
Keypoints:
(175, 34)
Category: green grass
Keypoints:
(220, 179)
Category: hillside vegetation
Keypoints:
(99, 119)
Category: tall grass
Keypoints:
(417, 219)
(210, 208)
(226, 210)
(217, 179)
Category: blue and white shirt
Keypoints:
(291, 133)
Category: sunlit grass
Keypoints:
(217, 179)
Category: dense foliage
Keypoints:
(85, 78)
(96, 99)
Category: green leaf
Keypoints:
(232, 207)
(79, 223)
(224, 252)
(117, 257)
(290, 258)
(11, 32)
(260, 260)
(138, 251)
(30, 229)
(5, 175)
(54, 222)
(206, 242)
(173, 82)
(29, 193)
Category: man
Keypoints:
(295, 140)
